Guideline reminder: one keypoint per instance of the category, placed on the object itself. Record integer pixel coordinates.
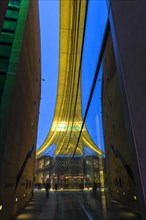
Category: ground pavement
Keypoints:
(75, 205)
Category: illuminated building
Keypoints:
(81, 171)
(123, 101)
(67, 122)
(19, 102)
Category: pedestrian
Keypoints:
(56, 186)
(94, 187)
(99, 185)
(39, 186)
(47, 188)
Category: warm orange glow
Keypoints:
(25, 216)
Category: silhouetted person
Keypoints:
(67, 186)
(39, 186)
(81, 186)
(99, 185)
(56, 186)
(47, 188)
(94, 187)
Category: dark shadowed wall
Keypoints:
(127, 22)
(19, 112)
(3, 8)
(120, 171)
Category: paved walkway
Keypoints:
(71, 205)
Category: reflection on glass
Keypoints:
(96, 21)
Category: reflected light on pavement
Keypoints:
(104, 205)
(29, 207)
(25, 216)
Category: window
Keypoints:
(15, 3)
(12, 14)
(3, 66)
(9, 26)
(5, 51)
(2, 81)
(6, 38)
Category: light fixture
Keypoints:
(135, 197)
(16, 199)
(1, 207)
(123, 193)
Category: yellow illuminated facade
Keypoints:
(67, 121)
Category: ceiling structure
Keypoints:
(67, 121)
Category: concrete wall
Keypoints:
(22, 121)
(127, 21)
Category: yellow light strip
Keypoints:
(97, 150)
(62, 124)
(45, 145)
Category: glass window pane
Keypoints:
(2, 81)
(9, 25)
(6, 37)
(95, 26)
(3, 65)
(14, 2)
(12, 14)
(5, 51)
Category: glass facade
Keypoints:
(6, 39)
(82, 172)
(95, 25)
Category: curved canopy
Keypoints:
(67, 119)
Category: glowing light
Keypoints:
(47, 143)
(35, 202)
(25, 216)
(61, 124)
(1, 207)
(65, 126)
(101, 174)
(29, 207)
(91, 146)
(135, 198)
(16, 199)
(24, 195)
(123, 193)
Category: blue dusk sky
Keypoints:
(49, 27)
